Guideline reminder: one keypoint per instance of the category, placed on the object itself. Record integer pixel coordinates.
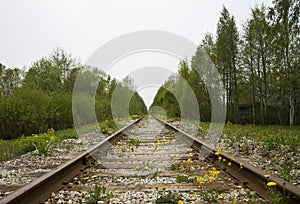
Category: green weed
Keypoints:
(170, 197)
(99, 194)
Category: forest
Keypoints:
(33, 101)
(259, 67)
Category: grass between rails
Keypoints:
(272, 136)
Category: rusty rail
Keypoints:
(248, 175)
(40, 189)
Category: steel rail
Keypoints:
(40, 189)
(248, 175)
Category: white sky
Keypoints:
(31, 29)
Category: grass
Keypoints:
(272, 136)
(170, 197)
(184, 179)
(99, 194)
(107, 126)
(41, 143)
(136, 142)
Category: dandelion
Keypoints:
(180, 202)
(220, 197)
(200, 180)
(52, 137)
(267, 175)
(94, 176)
(158, 142)
(195, 195)
(146, 167)
(217, 153)
(85, 178)
(211, 178)
(189, 160)
(271, 183)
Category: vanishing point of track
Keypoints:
(163, 151)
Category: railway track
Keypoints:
(150, 161)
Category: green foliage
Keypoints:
(165, 99)
(259, 69)
(175, 167)
(170, 197)
(286, 171)
(42, 145)
(41, 98)
(107, 126)
(136, 142)
(184, 179)
(99, 194)
(16, 147)
(276, 197)
(272, 135)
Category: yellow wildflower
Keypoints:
(267, 175)
(94, 176)
(189, 160)
(180, 202)
(146, 167)
(211, 178)
(220, 197)
(229, 163)
(217, 153)
(200, 180)
(195, 195)
(271, 183)
(241, 165)
(219, 158)
(219, 149)
(85, 178)
(158, 142)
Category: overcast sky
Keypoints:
(30, 29)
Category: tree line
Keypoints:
(259, 67)
(41, 98)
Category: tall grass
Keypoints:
(16, 147)
(273, 135)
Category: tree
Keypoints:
(226, 59)
(256, 60)
(284, 17)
